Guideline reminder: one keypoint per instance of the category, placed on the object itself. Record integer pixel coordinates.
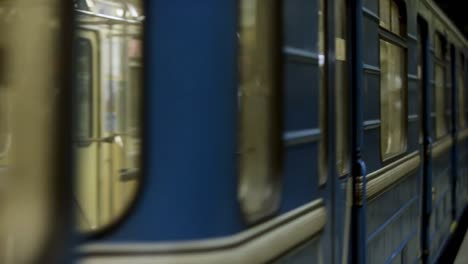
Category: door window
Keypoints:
(107, 106)
(392, 80)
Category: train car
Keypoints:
(250, 131)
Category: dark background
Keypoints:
(457, 11)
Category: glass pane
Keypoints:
(395, 18)
(108, 91)
(258, 104)
(342, 89)
(392, 98)
(384, 11)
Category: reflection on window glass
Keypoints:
(390, 17)
(384, 7)
(439, 76)
(83, 88)
(461, 93)
(108, 91)
(258, 103)
(395, 18)
(342, 89)
(392, 99)
(392, 83)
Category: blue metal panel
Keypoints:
(371, 38)
(301, 96)
(303, 254)
(301, 102)
(371, 91)
(301, 182)
(392, 220)
(370, 151)
(301, 111)
(301, 16)
(441, 209)
(462, 179)
(190, 181)
(371, 5)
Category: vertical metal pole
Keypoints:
(358, 167)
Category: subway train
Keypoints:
(249, 131)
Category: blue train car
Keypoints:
(250, 131)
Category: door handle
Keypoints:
(129, 174)
(86, 141)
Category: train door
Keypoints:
(424, 135)
(441, 146)
(462, 134)
(87, 141)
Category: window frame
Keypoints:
(401, 41)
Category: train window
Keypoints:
(461, 92)
(390, 17)
(258, 109)
(107, 102)
(392, 82)
(342, 89)
(439, 76)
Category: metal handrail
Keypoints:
(110, 18)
